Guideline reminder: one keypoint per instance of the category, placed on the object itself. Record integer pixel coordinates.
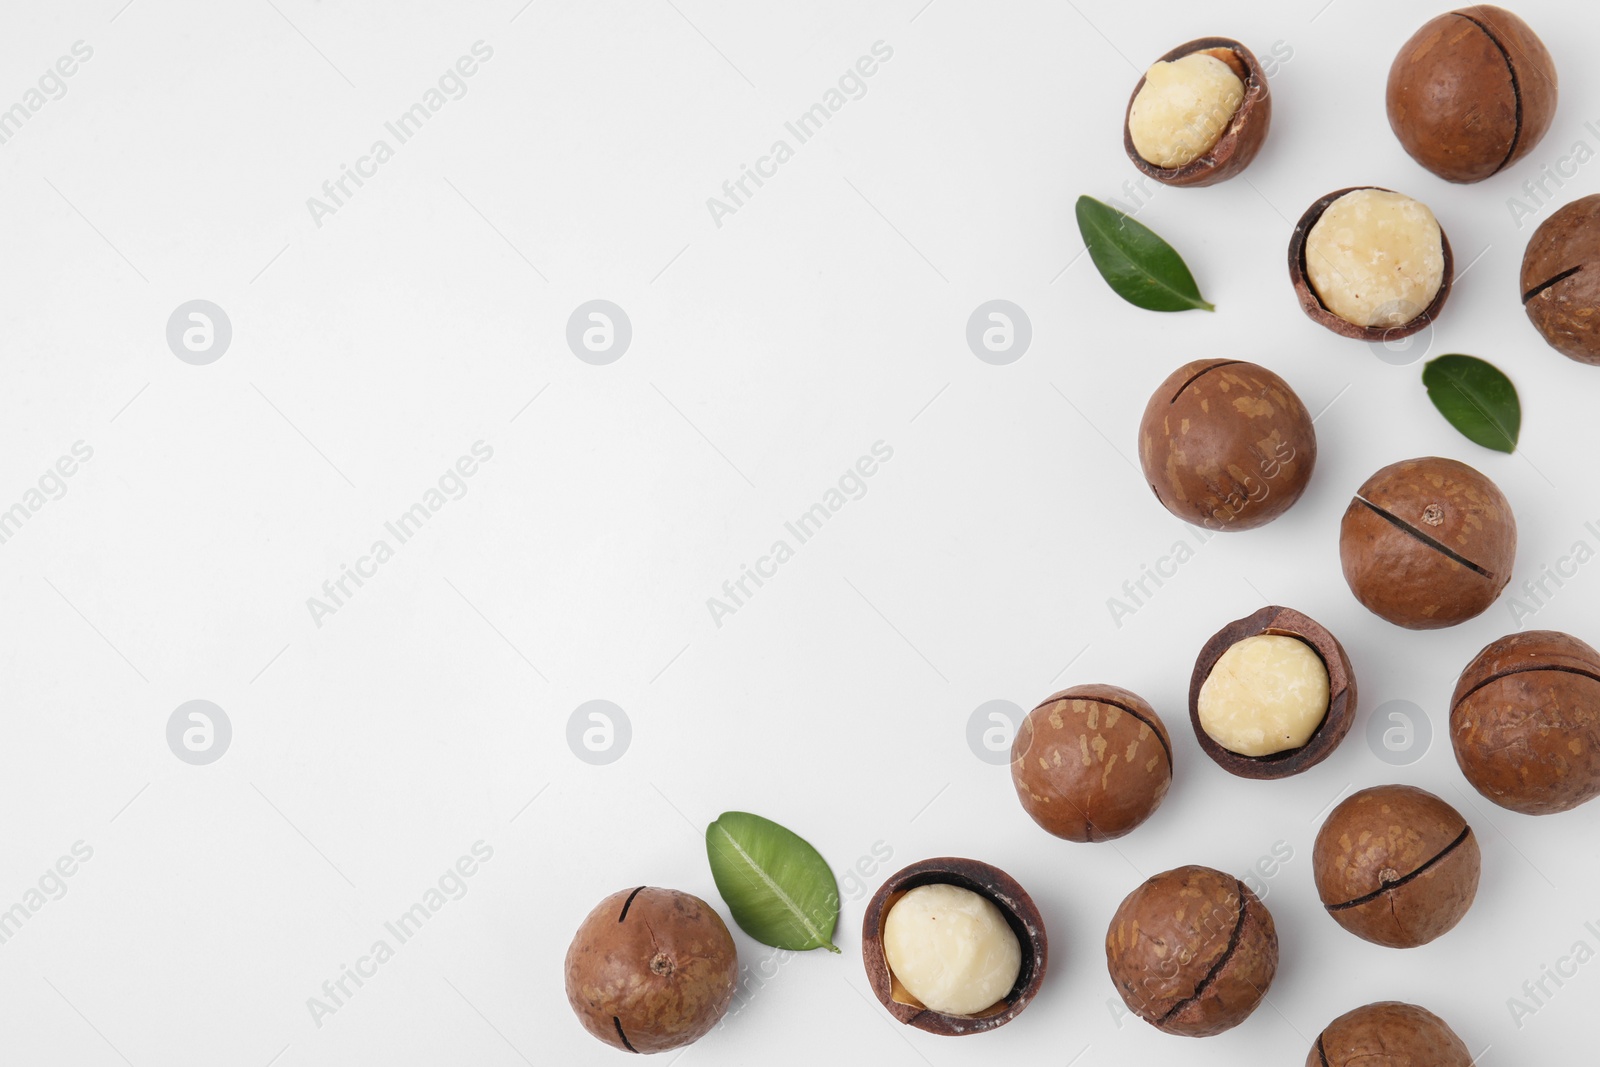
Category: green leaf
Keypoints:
(1139, 266)
(780, 890)
(1476, 398)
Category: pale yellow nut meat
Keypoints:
(1376, 258)
(1267, 694)
(951, 949)
(1183, 108)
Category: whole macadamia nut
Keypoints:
(1525, 722)
(1226, 444)
(1199, 115)
(1561, 280)
(651, 970)
(1091, 762)
(1395, 865)
(1192, 951)
(1388, 1034)
(1471, 93)
(1427, 543)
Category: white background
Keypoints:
(430, 711)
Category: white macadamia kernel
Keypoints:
(1376, 258)
(1266, 694)
(951, 949)
(1182, 109)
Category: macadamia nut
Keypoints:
(1266, 694)
(1376, 258)
(1183, 109)
(951, 949)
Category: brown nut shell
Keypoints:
(1428, 543)
(1561, 280)
(651, 970)
(1192, 951)
(1525, 722)
(995, 885)
(1091, 762)
(1226, 444)
(1388, 1033)
(1471, 93)
(1395, 865)
(1318, 312)
(1244, 135)
(1282, 622)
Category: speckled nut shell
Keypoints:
(1471, 93)
(651, 970)
(1242, 139)
(1388, 1034)
(1427, 543)
(1282, 622)
(1395, 865)
(1312, 304)
(1022, 915)
(1192, 951)
(1226, 444)
(1561, 280)
(1525, 722)
(1091, 762)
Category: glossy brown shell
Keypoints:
(1428, 543)
(1282, 622)
(651, 970)
(1226, 444)
(1388, 1033)
(1245, 134)
(1561, 280)
(1312, 304)
(1091, 762)
(1192, 951)
(1395, 865)
(990, 882)
(1471, 93)
(1525, 722)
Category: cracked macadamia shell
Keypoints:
(1091, 762)
(1180, 113)
(1388, 1033)
(1525, 722)
(1351, 260)
(1471, 93)
(1427, 543)
(1395, 865)
(651, 970)
(1376, 258)
(1338, 686)
(997, 888)
(1267, 694)
(1561, 280)
(1192, 951)
(1226, 444)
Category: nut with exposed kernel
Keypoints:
(1199, 115)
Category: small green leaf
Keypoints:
(1138, 265)
(1476, 398)
(780, 890)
